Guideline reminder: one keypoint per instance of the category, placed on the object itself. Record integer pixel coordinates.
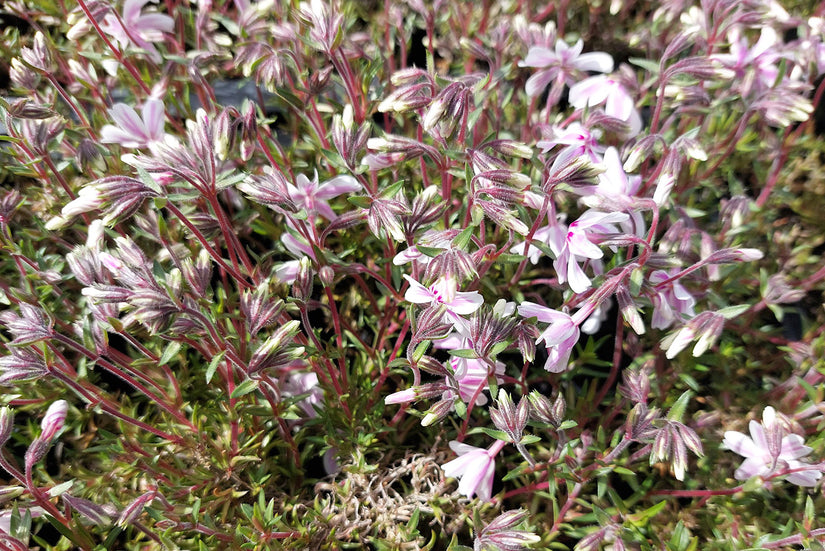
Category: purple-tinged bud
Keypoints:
(198, 273)
(302, 286)
(511, 148)
(38, 56)
(430, 365)
(422, 392)
(223, 136)
(636, 385)
(132, 511)
(259, 309)
(107, 293)
(437, 412)
(326, 275)
(629, 310)
(545, 411)
(401, 397)
(22, 76)
(724, 256)
(409, 75)
(447, 110)
(502, 216)
(691, 439)
(778, 291)
(54, 419)
(25, 108)
(30, 326)
(249, 132)
(52, 423)
(349, 139)
(22, 364)
(678, 43)
(99, 515)
(87, 153)
(734, 210)
(408, 98)
(318, 80)
(500, 533)
(6, 424)
(509, 418)
(641, 150)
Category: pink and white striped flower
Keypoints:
(445, 291)
(475, 467)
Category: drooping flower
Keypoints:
(140, 29)
(560, 336)
(475, 467)
(671, 302)
(769, 450)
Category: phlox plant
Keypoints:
(412, 275)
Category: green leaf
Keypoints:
(529, 439)
(495, 433)
(360, 201)
(462, 240)
(432, 252)
(641, 518)
(732, 311)
(466, 353)
(213, 365)
(677, 411)
(169, 352)
(247, 386)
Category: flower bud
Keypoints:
(327, 275)
(6, 424)
(52, 423)
(302, 286)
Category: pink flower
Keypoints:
(754, 66)
(560, 336)
(577, 139)
(770, 451)
(602, 89)
(140, 29)
(444, 291)
(577, 246)
(475, 467)
(130, 130)
(561, 66)
(469, 373)
(313, 196)
(671, 302)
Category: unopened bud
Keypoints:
(6, 424)
(327, 275)
(436, 413)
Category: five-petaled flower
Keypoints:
(140, 29)
(445, 291)
(313, 196)
(561, 66)
(131, 130)
(771, 451)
